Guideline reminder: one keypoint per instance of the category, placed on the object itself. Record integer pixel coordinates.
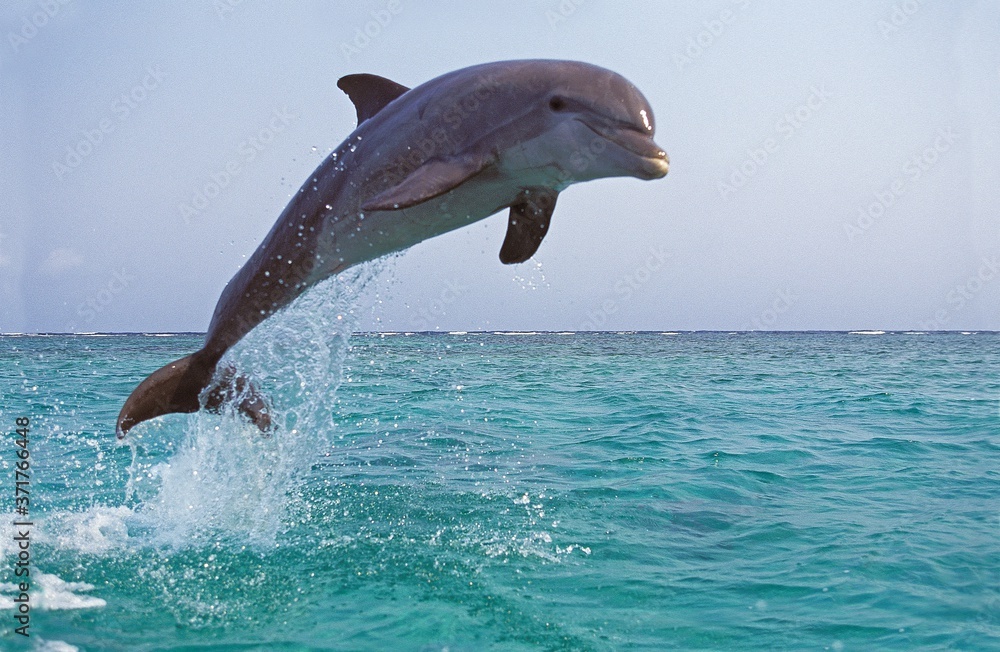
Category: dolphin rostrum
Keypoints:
(421, 162)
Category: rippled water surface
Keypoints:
(516, 492)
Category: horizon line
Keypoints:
(852, 331)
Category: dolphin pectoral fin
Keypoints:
(527, 224)
(239, 390)
(431, 179)
(370, 93)
(172, 388)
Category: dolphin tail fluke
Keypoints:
(172, 388)
(177, 386)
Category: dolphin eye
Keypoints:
(557, 103)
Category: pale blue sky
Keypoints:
(800, 241)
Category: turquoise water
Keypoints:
(697, 491)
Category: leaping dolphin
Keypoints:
(421, 162)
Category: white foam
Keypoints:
(52, 593)
(532, 544)
(458, 332)
(866, 333)
(57, 594)
(95, 531)
(42, 645)
(5, 602)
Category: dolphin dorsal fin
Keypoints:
(370, 93)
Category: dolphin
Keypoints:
(421, 162)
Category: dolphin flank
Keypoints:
(422, 162)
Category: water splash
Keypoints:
(225, 481)
(533, 278)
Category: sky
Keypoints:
(833, 165)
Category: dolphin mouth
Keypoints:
(654, 160)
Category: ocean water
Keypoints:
(486, 491)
